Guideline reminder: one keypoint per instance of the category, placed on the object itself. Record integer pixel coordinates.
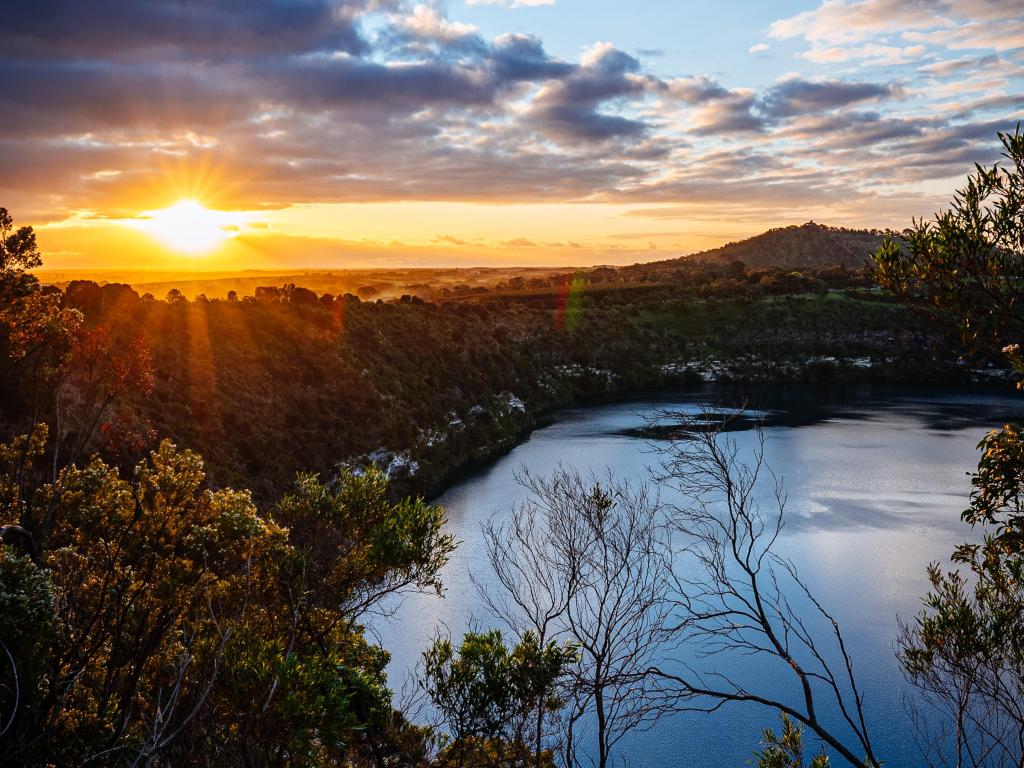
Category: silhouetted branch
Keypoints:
(585, 559)
(733, 592)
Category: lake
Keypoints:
(876, 481)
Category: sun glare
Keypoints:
(189, 227)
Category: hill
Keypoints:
(806, 245)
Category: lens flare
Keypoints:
(570, 303)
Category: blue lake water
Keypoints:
(876, 481)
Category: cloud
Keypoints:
(1005, 35)
(512, 3)
(451, 240)
(850, 129)
(882, 55)
(953, 67)
(696, 90)
(730, 114)
(98, 102)
(1012, 103)
(570, 109)
(836, 25)
(837, 22)
(213, 28)
(797, 96)
(264, 105)
(340, 82)
(426, 22)
(745, 111)
(758, 48)
(517, 57)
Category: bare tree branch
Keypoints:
(733, 592)
(586, 559)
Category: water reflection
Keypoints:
(876, 482)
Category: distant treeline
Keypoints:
(288, 379)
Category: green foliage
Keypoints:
(264, 389)
(147, 616)
(161, 608)
(967, 266)
(976, 621)
(136, 568)
(27, 634)
(964, 652)
(786, 750)
(310, 704)
(997, 498)
(355, 547)
(488, 693)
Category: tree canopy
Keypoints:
(965, 651)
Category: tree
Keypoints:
(147, 617)
(786, 750)
(19, 252)
(357, 548)
(298, 676)
(486, 692)
(55, 369)
(163, 619)
(734, 595)
(586, 560)
(965, 651)
(965, 655)
(27, 632)
(965, 268)
(36, 331)
(535, 587)
(133, 567)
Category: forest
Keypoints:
(287, 380)
(203, 500)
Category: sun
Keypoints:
(189, 227)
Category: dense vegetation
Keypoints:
(152, 614)
(145, 616)
(807, 245)
(289, 380)
(965, 651)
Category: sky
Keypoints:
(256, 134)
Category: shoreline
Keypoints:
(742, 393)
